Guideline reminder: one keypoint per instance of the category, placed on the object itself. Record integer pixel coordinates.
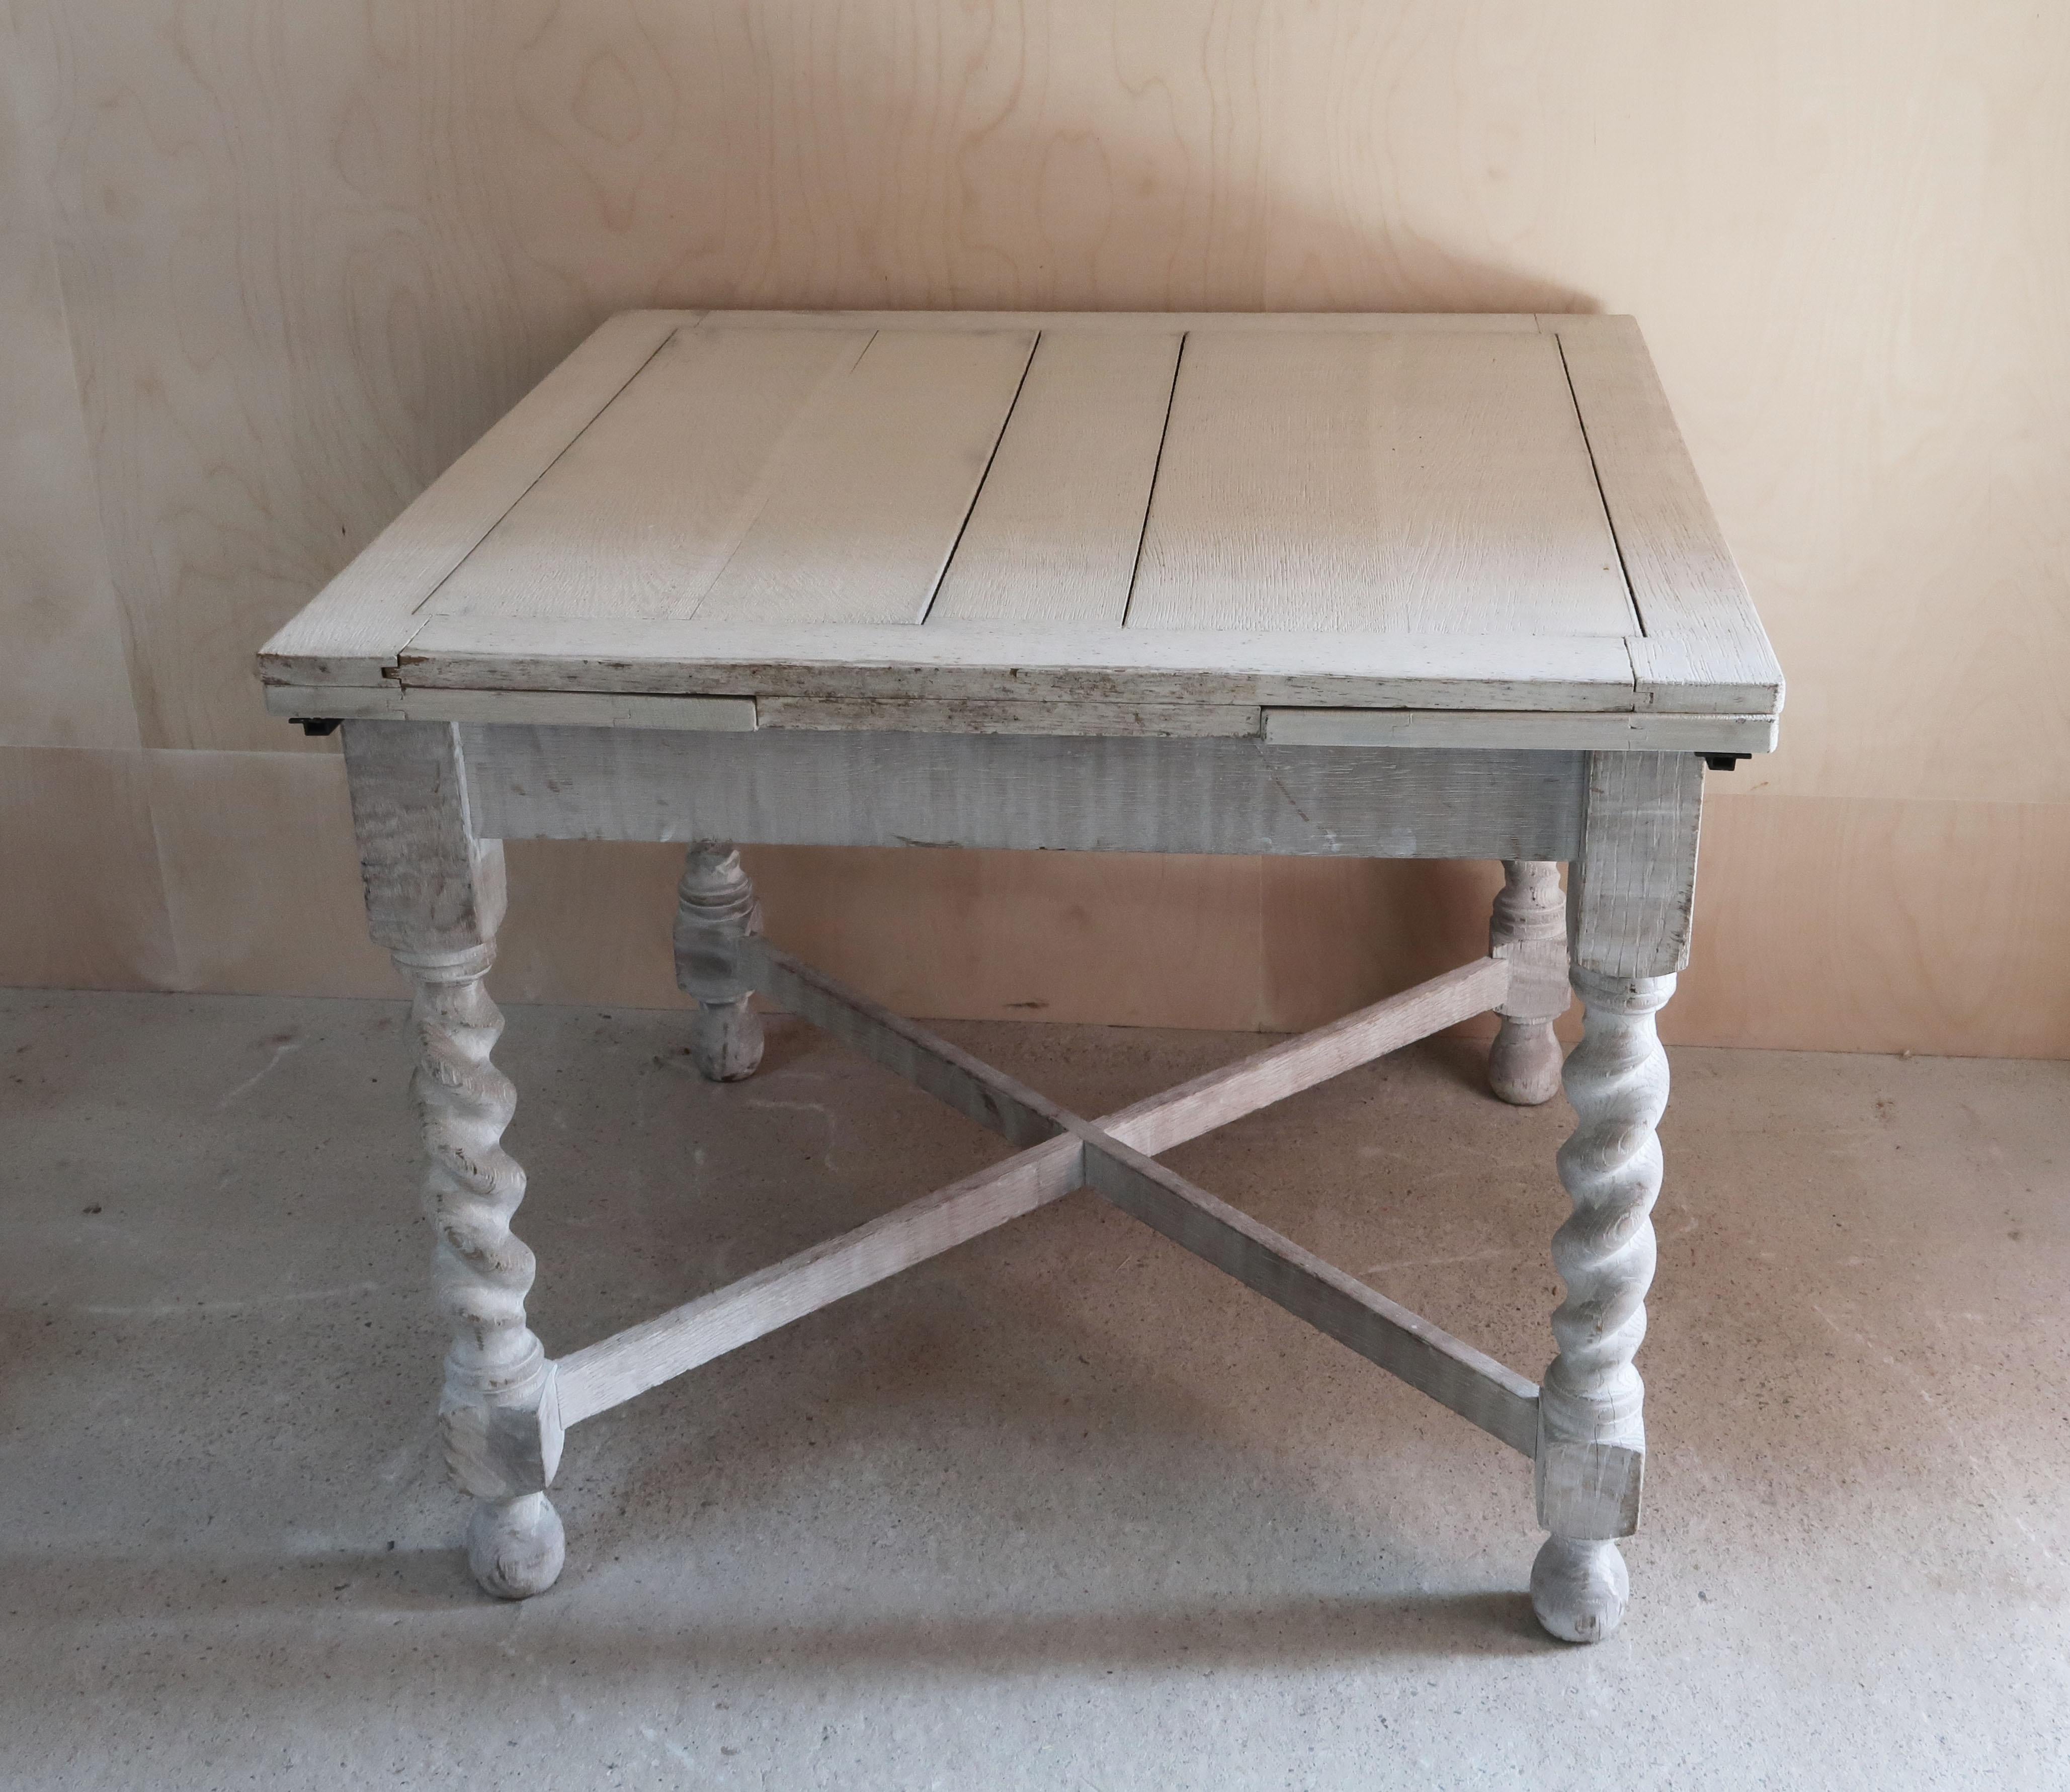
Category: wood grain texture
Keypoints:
(1652, 731)
(1471, 1383)
(1014, 662)
(1054, 535)
(1421, 483)
(390, 702)
(1343, 487)
(1632, 889)
(861, 519)
(434, 881)
(641, 513)
(783, 787)
(921, 716)
(64, 680)
(83, 905)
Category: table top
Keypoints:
(1475, 530)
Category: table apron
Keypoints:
(778, 787)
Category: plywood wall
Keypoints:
(270, 264)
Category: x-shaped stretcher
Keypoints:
(1116, 1157)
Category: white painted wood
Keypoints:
(434, 893)
(355, 626)
(1648, 731)
(1424, 483)
(716, 912)
(1400, 514)
(1591, 1452)
(1631, 891)
(1527, 931)
(783, 787)
(1703, 649)
(1022, 663)
(641, 514)
(603, 1375)
(862, 524)
(1052, 537)
(908, 715)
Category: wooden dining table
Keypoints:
(1358, 586)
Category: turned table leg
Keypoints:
(1529, 929)
(435, 895)
(1631, 893)
(715, 911)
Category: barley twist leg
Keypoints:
(496, 1415)
(1592, 1435)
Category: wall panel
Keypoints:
(271, 266)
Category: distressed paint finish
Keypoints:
(435, 895)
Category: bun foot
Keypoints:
(516, 1547)
(1579, 1590)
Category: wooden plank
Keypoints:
(1422, 483)
(780, 787)
(574, 709)
(1650, 731)
(1702, 648)
(391, 702)
(1052, 537)
(606, 1373)
(355, 627)
(1171, 721)
(603, 1375)
(947, 1072)
(864, 511)
(1153, 323)
(1631, 891)
(642, 513)
(1471, 1383)
(1023, 663)
(1158, 1124)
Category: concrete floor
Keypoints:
(1065, 1508)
